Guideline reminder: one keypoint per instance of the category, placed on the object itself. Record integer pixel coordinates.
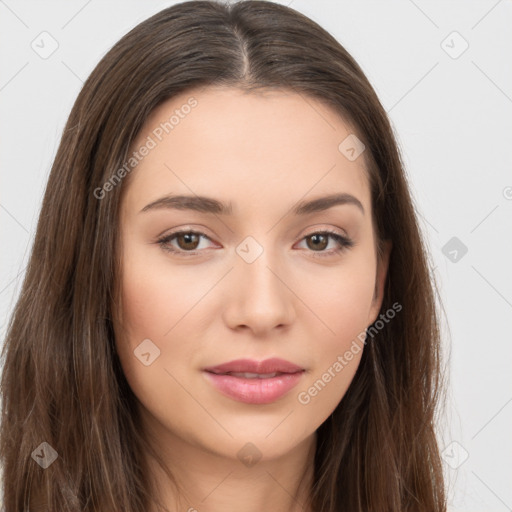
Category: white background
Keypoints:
(453, 119)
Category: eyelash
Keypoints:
(343, 242)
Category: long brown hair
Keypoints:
(62, 381)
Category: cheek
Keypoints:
(152, 304)
(341, 297)
(153, 298)
(154, 307)
(343, 302)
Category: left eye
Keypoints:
(188, 242)
(321, 238)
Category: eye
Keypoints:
(319, 241)
(188, 242)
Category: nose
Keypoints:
(259, 297)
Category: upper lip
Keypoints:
(274, 365)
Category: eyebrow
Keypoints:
(204, 204)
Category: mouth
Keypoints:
(248, 375)
(250, 368)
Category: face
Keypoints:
(259, 279)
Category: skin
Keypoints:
(264, 152)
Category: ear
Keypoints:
(380, 281)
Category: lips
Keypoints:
(255, 382)
(263, 369)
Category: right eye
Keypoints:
(188, 240)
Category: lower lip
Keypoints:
(254, 391)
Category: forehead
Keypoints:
(273, 144)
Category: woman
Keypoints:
(228, 303)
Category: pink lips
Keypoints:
(253, 389)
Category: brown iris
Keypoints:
(316, 237)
